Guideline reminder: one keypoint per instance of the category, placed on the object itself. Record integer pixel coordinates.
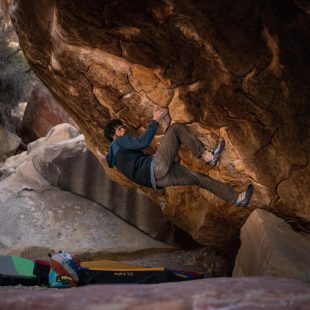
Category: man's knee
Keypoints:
(177, 125)
(160, 169)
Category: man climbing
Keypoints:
(161, 170)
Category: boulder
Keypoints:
(72, 167)
(220, 293)
(61, 160)
(35, 213)
(270, 247)
(41, 114)
(40, 215)
(228, 69)
(57, 134)
(9, 142)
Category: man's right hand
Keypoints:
(159, 114)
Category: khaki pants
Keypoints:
(170, 173)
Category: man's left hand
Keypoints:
(99, 154)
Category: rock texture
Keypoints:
(34, 213)
(41, 114)
(224, 293)
(269, 247)
(235, 69)
(54, 219)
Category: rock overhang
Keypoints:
(233, 73)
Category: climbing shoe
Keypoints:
(216, 152)
(245, 198)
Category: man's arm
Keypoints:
(143, 141)
(99, 154)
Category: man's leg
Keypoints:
(176, 135)
(180, 175)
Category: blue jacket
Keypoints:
(125, 153)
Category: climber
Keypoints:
(161, 170)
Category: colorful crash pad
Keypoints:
(105, 271)
(16, 270)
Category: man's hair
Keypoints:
(110, 127)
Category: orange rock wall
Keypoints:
(235, 69)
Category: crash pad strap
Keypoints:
(117, 266)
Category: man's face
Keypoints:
(119, 131)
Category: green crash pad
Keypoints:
(16, 270)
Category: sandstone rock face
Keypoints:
(41, 114)
(269, 247)
(34, 213)
(238, 70)
(221, 293)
